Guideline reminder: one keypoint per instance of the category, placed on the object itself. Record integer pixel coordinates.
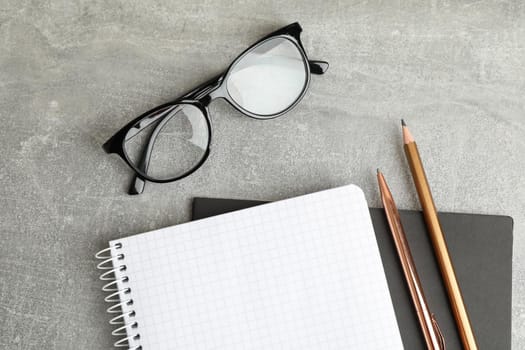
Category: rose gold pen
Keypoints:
(429, 326)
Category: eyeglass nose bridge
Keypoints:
(205, 92)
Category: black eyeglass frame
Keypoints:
(201, 97)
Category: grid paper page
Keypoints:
(303, 273)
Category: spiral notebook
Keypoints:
(303, 273)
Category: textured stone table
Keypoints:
(72, 74)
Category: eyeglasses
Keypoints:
(172, 141)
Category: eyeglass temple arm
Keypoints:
(318, 67)
(138, 184)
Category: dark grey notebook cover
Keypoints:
(481, 250)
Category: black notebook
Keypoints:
(481, 250)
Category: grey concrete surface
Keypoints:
(72, 73)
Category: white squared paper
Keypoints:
(303, 273)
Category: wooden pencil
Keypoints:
(439, 243)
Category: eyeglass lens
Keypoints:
(269, 78)
(169, 143)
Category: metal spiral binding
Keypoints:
(109, 265)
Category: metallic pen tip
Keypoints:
(403, 122)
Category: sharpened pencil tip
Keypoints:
(407, 136)
(378, 171)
